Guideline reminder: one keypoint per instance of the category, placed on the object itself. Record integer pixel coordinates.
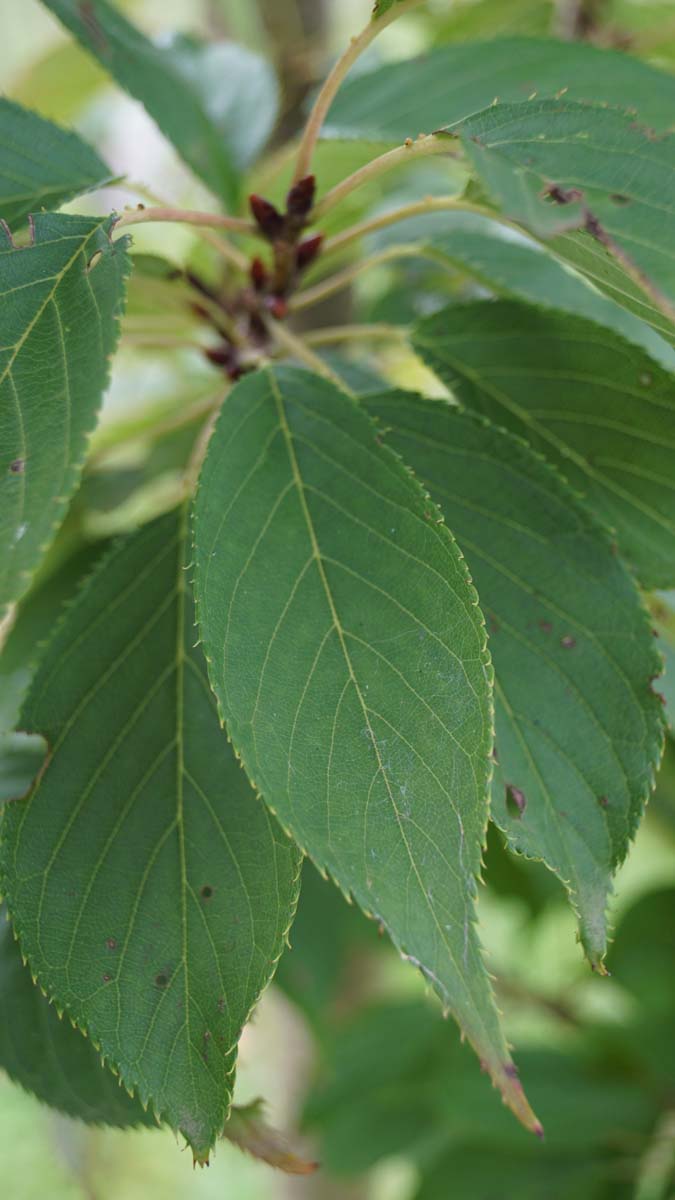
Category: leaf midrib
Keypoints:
(317, 556)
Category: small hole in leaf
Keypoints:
(94, 260)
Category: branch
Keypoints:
(331, 85)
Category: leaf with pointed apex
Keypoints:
(578, 729)
(594, 404)
(48, 1057)
(41, 165)
(150, 891)
(516, 266)
(348, 655)
(449, 84)
(557, 167)
(216, 103)
(61, 300)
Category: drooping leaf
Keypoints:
(41, 165)
(451, 83)
(348, 656)
(557, 166)
(48, 1057)
(150, 891)
(516, 266)
(578, 729)
(598, 407)
(216, 103)
(61, 300)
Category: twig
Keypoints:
(331, 85)
(186, 216)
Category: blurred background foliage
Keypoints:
(347, 1048)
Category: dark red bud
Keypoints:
(300, 199)
(277, 306)
(268, 219)
(220, 356)
(258, 273)
(307, 251)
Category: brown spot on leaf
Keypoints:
(206, 892)
(111, 943)
(516, 802)
(161, 979)
(17, 466)
(617, 198)
(603, 801)
(546, 627)
(568, 642)
(106, 977)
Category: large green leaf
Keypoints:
(348, 655)
(451, 83)
(150, 891)
(558, 166)
(597, 406)
(47, 1056)
(579, 730)
(513, 264)
(217, 103)
(41, 165)
(61, 299)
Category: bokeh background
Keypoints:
(350, 1053)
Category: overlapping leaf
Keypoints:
(557, 166)
(451, 83)
(61, 299)
(150, 891)
(595, 405)
(41, 166)
(579, 730)
(216, 103)
(348, 656)
(515, 265)
(48, 1057)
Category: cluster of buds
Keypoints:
(291, 256)
(240, 319)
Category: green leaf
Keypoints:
(578, 729)
(22, 754)
(48, 1057)
(216, 103)
(41, 165)
(598, 407)
(558, 166)
(348, 655)
(150, 892)
(515, 265)
(451, 83)
(62, 296)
